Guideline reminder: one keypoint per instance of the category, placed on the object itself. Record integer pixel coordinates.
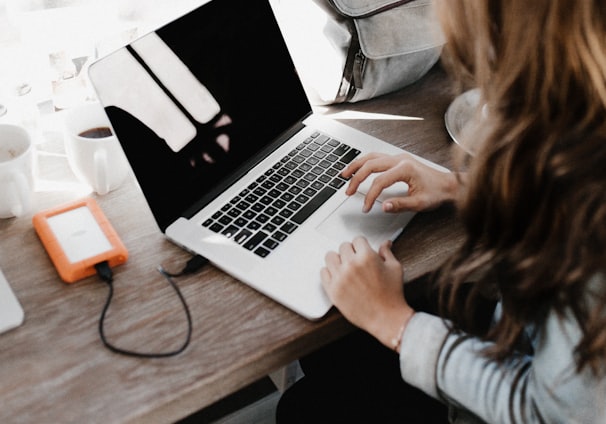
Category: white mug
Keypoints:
(16, 171)
(93, 151)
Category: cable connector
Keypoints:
(193, 265)
(105, 272)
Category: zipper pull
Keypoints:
(358, 69)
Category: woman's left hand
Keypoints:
(367, 287)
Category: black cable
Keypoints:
(191, 266)
(105, 273)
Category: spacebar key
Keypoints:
(317, 201)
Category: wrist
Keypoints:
(396, 341)
(391, 333)
(451, 186)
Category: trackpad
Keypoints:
(348, 221)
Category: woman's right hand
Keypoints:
(427, 187)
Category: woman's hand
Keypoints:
(427, 187)
(367, 287)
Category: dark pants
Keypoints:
(357, 380)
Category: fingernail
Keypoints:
(388, 206)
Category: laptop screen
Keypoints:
(193, 101)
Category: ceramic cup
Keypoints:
(16, 171)
(93, 151)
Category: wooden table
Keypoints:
(54, 368)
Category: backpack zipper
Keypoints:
(358, 70)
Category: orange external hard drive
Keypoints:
(77, 236)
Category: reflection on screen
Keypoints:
(215, 87)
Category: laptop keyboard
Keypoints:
(271, 208)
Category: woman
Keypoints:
(533, 203)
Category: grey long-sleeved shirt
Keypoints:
(542, 388)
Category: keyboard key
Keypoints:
(271, 244)
(249, 215)
(269, 227)
(287, 197)
(262, 218)
(279, 204)
(317, 201)
(243, 205)
(350, 155)
(301, 198)
(255, 240)
(325, 179)
(286, 213)
(253, 225)
(277, 220)
(262, 252)
(310, 192)
(234, 213)
(258, 192)
(240, 222)
(257, 207)
(337, 183)
(242, 236)
(230, 231)
(294, 190)
(252, 198)
(279, 235)
(340, 151)
(321, 139)
(294, 205)
(225, 220)
(288, 227)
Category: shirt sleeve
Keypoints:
(545, 387)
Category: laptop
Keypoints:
(11, 313)
(219, 132)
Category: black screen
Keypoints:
(236, 50)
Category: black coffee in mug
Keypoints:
(99, 132)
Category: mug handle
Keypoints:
(101, 172)
(23, 198)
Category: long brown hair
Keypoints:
(534, 200)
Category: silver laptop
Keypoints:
(11, 313)
(234, 165)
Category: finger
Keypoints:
(332, 259)
(399, 173)
(346, 250)
(386, 253)
(325, 276)
(409, 203)
(372, 165)
(361, 245)
(356, 164)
